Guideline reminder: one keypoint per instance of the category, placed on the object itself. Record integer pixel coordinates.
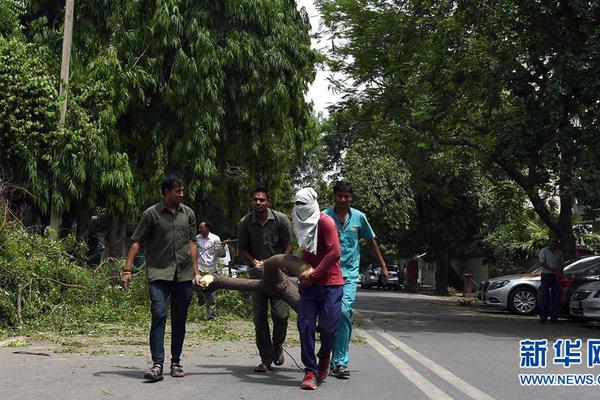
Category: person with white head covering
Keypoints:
(320, 286)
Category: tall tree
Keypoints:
(212, 90)
(514, 82)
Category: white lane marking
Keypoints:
(443, 373)
(430, 390)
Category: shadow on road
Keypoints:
(278, 377)
(136, 374)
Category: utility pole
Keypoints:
(55, 213)
(66, 58)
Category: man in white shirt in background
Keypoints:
(209, 248)
(551, 260)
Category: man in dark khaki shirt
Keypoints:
(263, 233)
(167, 231)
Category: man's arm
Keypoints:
(285, 235)
(194, 252)
(375, 251)
(126, 275)
(251, 261)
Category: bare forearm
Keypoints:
(133, 250)
(251, 261)
(288, 249)
(376, 252)
(194, 252)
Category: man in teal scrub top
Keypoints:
(352, 225)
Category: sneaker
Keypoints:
(341, 372)
(309, 382)
(155, 373)
(323, 368)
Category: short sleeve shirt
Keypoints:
(264, 241)
(554, 259)
(207, 251)
(166, 240)
(354, 228)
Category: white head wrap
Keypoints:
(305, 219)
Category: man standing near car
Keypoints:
(551, 260)
(167, 233)
(263, 233)
(352, 225)
(209, 247)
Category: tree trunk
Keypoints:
(274, 282)
(116, 236)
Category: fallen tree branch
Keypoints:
(274, 282)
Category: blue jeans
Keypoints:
(181, 294)
(549, 290)
(322, 303)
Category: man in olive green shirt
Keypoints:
(263, 233)
(167, 231)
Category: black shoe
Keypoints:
(554, 321)
(541, 321)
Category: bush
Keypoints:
(45, 286)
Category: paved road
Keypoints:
(417, 347)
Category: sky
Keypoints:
(319, 93)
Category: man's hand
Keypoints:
(197, 278)
(305, 278)
(384, 274)
(259, 264)
(126, 279)
(206, 281)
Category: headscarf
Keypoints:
(305, 219)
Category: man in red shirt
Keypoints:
(320, 286)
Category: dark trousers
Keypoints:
(322, 303)
(180, 294)
(280, 313)
(549, 296)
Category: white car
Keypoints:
(585, 302)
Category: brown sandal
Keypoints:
(155, 373)
(262, 367)
(177, 370)
(279, 359)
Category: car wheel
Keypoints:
(523, 301)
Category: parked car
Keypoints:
(585, 302)
(519, 293)
(372, 277)
(516, 292)
(586, 273)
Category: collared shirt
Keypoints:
(262, 241)
(554, 259)
(166, 239)
(208, 247)
(354, 228)
(327, 260)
